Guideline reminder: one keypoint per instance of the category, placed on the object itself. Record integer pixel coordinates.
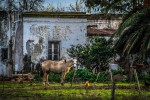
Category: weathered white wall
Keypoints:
(101, 24)
(2, 65)
(38, 31)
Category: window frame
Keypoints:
(53, 51)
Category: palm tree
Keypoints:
(134, 34)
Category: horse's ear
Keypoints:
(65, 60)
(74, 58)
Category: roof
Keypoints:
(104, 16)
(56, 14)
(100, 32)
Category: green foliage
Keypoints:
(37, 77)
(122, 72)
(134, 34)
(114, 6)
(95, 55)
(84, 74)
(81, 75)
(53, 77)
(144, 76)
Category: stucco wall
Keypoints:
(101, 24)
(38, 31)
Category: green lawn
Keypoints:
(98, 91)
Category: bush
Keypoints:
(84, 75)
(81, 75)
(122, 72)
(37, 77)
(144, 76)
(54, 77)
(96, 54)
(103, 76)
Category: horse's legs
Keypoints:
(47, 79)
(62, 78)
(44, 78)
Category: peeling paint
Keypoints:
(42, 30)
(2, 68)
(39, 30)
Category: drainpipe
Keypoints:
(9, 6)
(9, 36)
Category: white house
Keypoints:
(48, 35)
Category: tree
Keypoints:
(21, 5)
(78, 7)
(134, 34)
(52, 8)
(114, 6)
(95, 55)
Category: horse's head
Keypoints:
(72, 62)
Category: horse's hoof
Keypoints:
(30, 84)
(44, 83)
(62, 84)
(45, 88)
(47, 84)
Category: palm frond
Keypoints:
(134, 34)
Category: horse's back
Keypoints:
(54, 66)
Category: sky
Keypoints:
(63, 3)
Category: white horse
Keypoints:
(62, 67)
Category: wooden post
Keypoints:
(137, 80)
(73, 77)
(131, 71)
(113, 90)
(3, 79)
(22, 79)
(97, 77)
(3, 82)
(113, 86)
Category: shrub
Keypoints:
(144, 76)
(94, 55)
(122, 72)
(54, 77)
(37, 77)
(84, 75)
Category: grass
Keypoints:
(97, 91)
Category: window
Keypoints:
(4, 54)
(53, 50)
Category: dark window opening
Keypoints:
(54, 50)
(4, 54)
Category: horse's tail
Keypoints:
(39, 69)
